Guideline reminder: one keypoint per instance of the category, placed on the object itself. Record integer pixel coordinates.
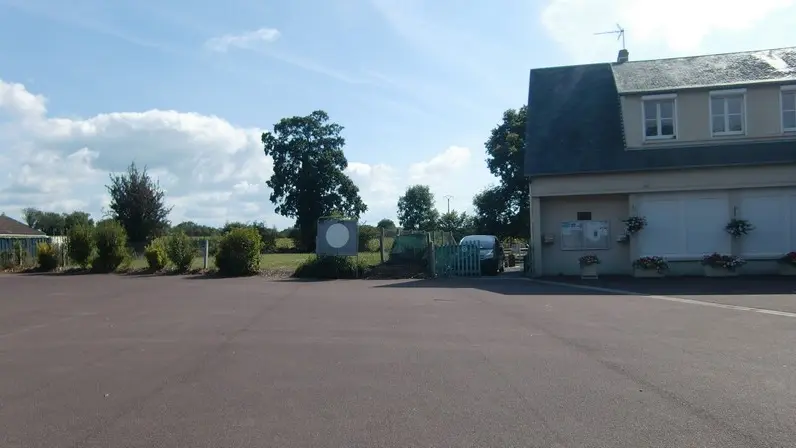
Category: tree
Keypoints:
(309, 181)
(386, 224)
(504, 208)
(50, 223)
(457, 223)
(492, 217)
(191, 228)
(416, 209)
(137, 203)
(77, 218)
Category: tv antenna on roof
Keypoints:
(620, 32)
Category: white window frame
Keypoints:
(791, 89)
(651, 98)
(725, 94)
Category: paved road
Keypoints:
(105, 361)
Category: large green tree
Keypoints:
(309, 180)
(191, 228)
(138, 204)
(386, 224)
(416, 209)
(503, 209)
(459, 224)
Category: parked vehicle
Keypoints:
(492, 256)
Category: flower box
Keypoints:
(648, 273)
(787, 269)
(711, 271)
(719, 265)
(588, 272)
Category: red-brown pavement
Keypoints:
(111, 361)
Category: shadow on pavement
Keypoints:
(692, 286)
(677, 286)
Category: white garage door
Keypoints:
(773, 213)
(684, 225)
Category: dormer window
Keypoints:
(660, 117)
(728, 112)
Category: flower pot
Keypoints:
(648, 273)
(787, 269)
(711, 271)
(588, 272)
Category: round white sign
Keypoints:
(337, 235)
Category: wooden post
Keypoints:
(381, 244)
(206, 253)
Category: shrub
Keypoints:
(47, 256)
(239, 252)
(330, 267)
(366, 236)
(111, 242)
(80, 245)
(181, 251)
(156, 254)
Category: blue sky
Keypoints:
(186, 87)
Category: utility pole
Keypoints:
(449, 197)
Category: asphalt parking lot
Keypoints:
(110, 361)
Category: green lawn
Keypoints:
(268, 261)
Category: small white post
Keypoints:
(206, 252)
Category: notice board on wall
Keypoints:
(585, 235)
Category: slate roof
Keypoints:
(715, 70)
(10, 226)
(575, 119)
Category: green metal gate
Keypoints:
(458, 260)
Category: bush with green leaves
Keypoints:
(181, 250)
(368, 235)
(111, 240)
(331, 267)
(47, 256)
(239, 252)
(81, 244)
(156, 254)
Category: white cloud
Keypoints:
(248, 40)
(212, 171)
(450, 172)
(679, 25)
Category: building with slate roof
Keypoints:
(688, 143)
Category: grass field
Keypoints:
(267, 261)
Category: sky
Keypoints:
(186, 88)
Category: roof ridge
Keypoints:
(694, 56)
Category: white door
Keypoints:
(684, 225)
(773, 214)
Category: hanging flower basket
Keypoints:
(738, 227)
(634, 224)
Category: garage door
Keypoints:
(773, 213)
(684, 225)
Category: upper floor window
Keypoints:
(660, 115)
(727, 112)
(789, 108)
